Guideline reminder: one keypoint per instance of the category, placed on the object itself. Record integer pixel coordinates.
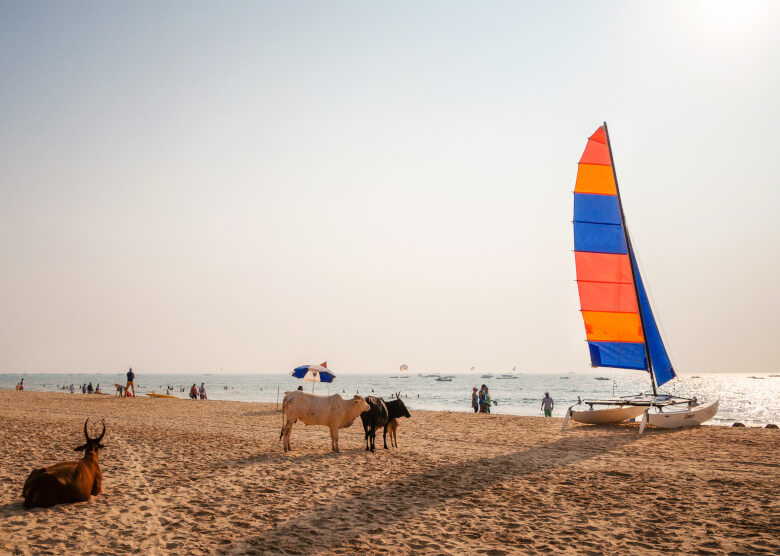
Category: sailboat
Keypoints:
(619, 323)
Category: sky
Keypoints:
(245, 187)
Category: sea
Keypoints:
(752, 399)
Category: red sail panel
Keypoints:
(603, 267)
(606, 296)
(596, 153)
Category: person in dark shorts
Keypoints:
(130, 381)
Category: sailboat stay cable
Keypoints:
(633, 258)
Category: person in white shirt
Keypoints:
(547, 404)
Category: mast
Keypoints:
(633, 259)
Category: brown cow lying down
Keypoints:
(72, 481)
(333, 412)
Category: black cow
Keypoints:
(395, 410)
(376, 416)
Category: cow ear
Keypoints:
(80, 448)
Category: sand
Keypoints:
(194, 477)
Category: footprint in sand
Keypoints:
(144, 504)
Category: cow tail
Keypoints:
(284, 402)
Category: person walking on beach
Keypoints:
(130, 382)
(72, 389)
(90, 389)
(21, 384)
(483, 399)
(194, 392)
(475, 399)
(202, 391)
(547, 404)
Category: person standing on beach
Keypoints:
(21, 384)
(483, 399)
(72, 389)
(547, 404)
(475, 399)
(202, 391)
(130, 381)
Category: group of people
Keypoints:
(196, 392)
(481, 402)
(480, 399)
(20, 385)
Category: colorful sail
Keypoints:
(604, 277)
(606, 268)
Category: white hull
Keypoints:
(676, 419)
(606, 416)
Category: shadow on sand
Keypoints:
(396, 501)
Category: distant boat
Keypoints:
(696, 376)
(444, 379)
(774, 376)
(486, 376)
(504, 377)
(564, 377)
(758, 377)
(601, 378)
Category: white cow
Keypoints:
(333, 412)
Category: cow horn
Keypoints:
(102, 434)
(86, 435)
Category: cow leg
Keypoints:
(384, 437)
(97, 485)
(286, 436)
(373, 437)
(366, 429)
(334, 437)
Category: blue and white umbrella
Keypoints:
(313, 373)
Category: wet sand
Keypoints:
(193, 477)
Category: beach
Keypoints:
(203, 477)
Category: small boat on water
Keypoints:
(505, 377)
(774, 376)
(444, 379)
(757, 377)
(620, 327)
(486, 376)
(562, 377)
(601, 378)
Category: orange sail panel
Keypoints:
(612, 327)
(595, 178)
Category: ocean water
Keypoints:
(753, 401)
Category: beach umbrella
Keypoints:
(314, 373)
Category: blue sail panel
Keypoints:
(599, 238)
(597, 209)
(624, 355)
(662, 365)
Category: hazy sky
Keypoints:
(251, 186)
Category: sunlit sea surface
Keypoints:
(753, 401)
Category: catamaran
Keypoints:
(619, 323)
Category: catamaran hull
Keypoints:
(606, 416)
(686, 418)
